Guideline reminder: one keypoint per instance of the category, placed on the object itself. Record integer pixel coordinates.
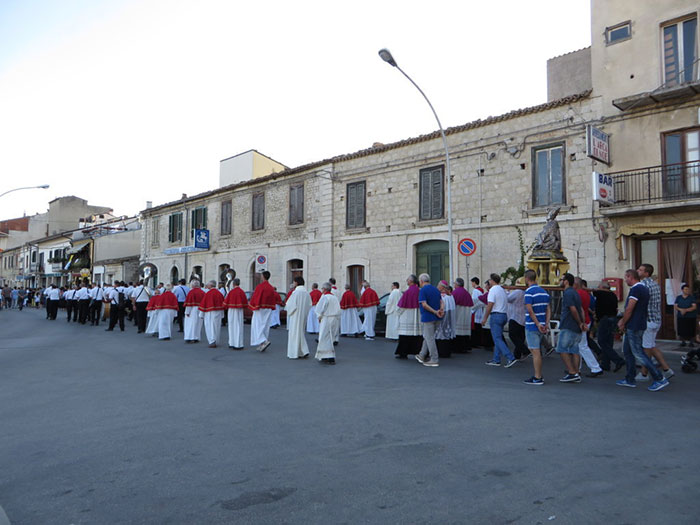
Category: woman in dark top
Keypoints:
(686, 315)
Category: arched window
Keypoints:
(174, 275)
(295, 268)
(255, 278)
(356, 274)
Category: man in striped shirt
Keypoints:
(536, 323)
(645, 272)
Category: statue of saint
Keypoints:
(549, 239)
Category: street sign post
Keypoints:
(467, 247)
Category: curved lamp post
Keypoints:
(43, 187)
(387, 57)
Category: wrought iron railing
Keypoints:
(668, 182)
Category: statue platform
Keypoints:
(548, 267)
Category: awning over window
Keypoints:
(655, 228)
(77, 246)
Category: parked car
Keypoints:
(248, 313)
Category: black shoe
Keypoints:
(399, 356)
(595, 374)
(140, 332)
(618, 366)
(109, 330)
(335, 343)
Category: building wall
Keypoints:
(615, 74)
(569, 74)
(117, 245)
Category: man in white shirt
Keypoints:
(69, 297)
(83, 297)
(139, 298)
(52, 298)
(96, 297)
(117, 300)
(180, 291)
(496, 308)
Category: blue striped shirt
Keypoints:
(539, 299)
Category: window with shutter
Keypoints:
(296, 204)
(679, 44)
(258, 211)
(431, 193)
(355, 205)
(548, 175)
(226, 218)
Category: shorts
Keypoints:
(568, 342)
(534, 339)
(649, 337)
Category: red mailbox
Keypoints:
(615, 286)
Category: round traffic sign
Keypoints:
(467, 247)
(262, 259)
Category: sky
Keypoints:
(123, 102)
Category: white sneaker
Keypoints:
(641, 377)
(668, 374)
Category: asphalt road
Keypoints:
(117, 427)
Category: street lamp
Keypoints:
(43, 187)
(387, 57)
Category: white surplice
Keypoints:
(235, 327)
(312, 321)
(369, 320)
(328, 313)
(298, 306)
(350, 322)
(152, 326)
(463, 321)
(275, 316)
(392, 317)
(165, 322)
(409, 321)
(260, 326)
(193, 324)
(212, 325)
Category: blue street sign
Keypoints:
(201, 239)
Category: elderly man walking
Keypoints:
(369, 300)
(432, 308)
(328, 313)
(263, 304)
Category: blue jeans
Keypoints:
(498, 321)
(606, 334)
(632, 348)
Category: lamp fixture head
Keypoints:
(44, 186)
(387, 57)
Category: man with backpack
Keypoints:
(117, 299)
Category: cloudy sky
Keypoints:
(120, 102)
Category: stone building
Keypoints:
(623, 111)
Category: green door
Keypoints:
(432, 257)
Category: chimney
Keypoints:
(149, 204)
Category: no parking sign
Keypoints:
(260, 263)
(467, 247)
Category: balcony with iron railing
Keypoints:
(655, 187)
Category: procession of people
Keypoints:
(427, 321)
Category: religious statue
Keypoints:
(548, 241)
(547, 259)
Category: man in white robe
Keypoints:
(235, 303)
(262, 303)
(211, 310)
(193, 323)
(152, 315)
(463, 316)
(391, 310)
(298, 306)
(350, 323)
(167, 311)
(328, 313)
(312, 320)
